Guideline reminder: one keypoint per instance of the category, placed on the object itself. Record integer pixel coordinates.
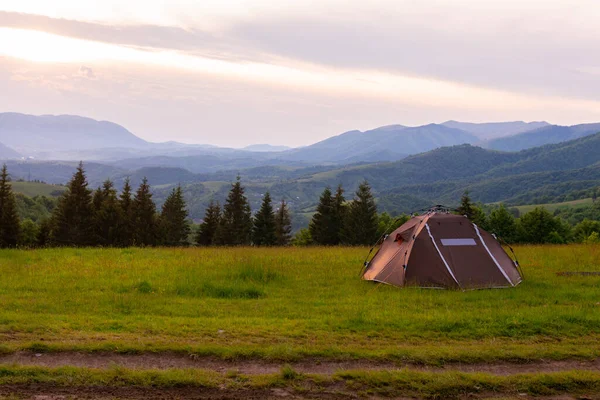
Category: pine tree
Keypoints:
(471, 211)
(361, 224)
(9, 218)
(323, 227)
(339, 213)
(207, 232)
(43, 238)
(72, 217)
(108, 215)
(236, 222)
(143, 209)
(283, 225)
(126, 232)
(263, 231)
(174, 227)
(466, 206)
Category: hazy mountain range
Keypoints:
(439, 176)
(72, 138)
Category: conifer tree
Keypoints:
(323, 227)
(361, 224)
(9, 218)
(174, 227)
(108, 215)
(263, 231)
(143, 209)
(339, 213)
(126, 224)
(236, 221)
(207, 232)
(471, 211)
(283, 225)
(43, 238)
(72, 217)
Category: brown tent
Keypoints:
(441, 250)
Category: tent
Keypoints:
(442, 250)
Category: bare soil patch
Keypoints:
(163, 361)
(53, 392)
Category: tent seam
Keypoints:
(442, 256)
(492, 256)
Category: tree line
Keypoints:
(538, 226)
(103, 217)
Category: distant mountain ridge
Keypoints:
(32, 134)
(491, 130)
(541, 136)
(74, 138)
(7, 153)
(265, 148)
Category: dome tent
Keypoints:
(442, 250)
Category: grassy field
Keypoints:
(551, 207)
(291, 304)
(32, 189)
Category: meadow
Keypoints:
(288, 304)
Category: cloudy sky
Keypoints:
(235, 72)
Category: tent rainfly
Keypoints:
(441, 250)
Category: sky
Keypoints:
(239, 72)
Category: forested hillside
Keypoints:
(541, 136)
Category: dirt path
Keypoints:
(253, 367)
(49, 392)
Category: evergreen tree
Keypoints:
(323, 227)
(361, 225)
(503, 224)
(126, 232)
(43, 238)
(263, 231)
(108, 215)
(236, 222)
(283, 225)
(207, 231)
(9, 218)
(72, 217)
(174, 227)
(339, 213)
(145, 227)
(471, 211)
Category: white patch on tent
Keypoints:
(458, 242)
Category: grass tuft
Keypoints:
(144, 287)
(288, 373)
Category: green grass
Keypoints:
(387, 383)
(551, 207)
(291, 303)
(32, 189)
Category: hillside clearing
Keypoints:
(250, 303)
(554, 206)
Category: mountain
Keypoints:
(387, 143)
(30, 134)
(491, 130)
(442, 175)
(265, 148)
(8, 153)
(541, 136)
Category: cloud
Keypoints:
(86, 72)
